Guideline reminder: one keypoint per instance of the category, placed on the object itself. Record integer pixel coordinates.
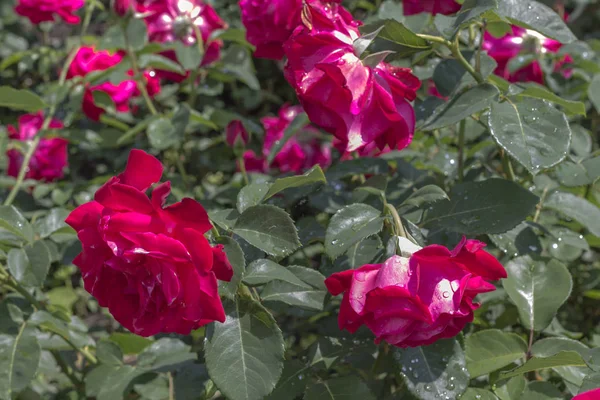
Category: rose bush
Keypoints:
(283, 200)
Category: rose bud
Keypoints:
(150, 264)
(415, 300)
(236, 136)
(122, 7)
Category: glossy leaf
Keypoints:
(314, 175)
(534, 133)
(235, 256)
(251, 195)
(19, 360)
(30, 265)
(534, 90)
(269, 228)
(263, 271)
(12, 221)
(489, 350)
(342, 388)
(577, 208)
(561, 359)
(349, 226)
(244, 355)
(20, 100)
(310, 295)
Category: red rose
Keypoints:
(39, 11)
(434, 7)
(590, 395)
(122, 7)
(416, 301)
(356, 102)
(149, 264)
(50, 157)
(300, 153)
(269, 23)
(88, 60)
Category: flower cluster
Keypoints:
(88, 60)
(39, 11)
(523, 41)
(149, 264)
(298, 154)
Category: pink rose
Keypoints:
(590, 395)
(236, 133)
(434, 7)
(523, 41)
(50, 157)
(171, 20)
(149, 264)
(88, 60)
(357, 103)
(39, 11)
(269, 23)
(416, 301)
(299, 154)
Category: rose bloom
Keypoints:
(171, 20)
(434, 7)
(269, 23)
(357, 103)
(39, 11)
(149, 264)
(88, 60)
(299, 154)
(589, 395)
(236, 133)
(523, 41)
(50, 157)
(122, 7)
(416, 301)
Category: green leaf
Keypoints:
(363, 42)
(109, 353)
(292, 382)
(349, 226)
(164, 354)
(579, 174)
(20, 100)
(130, 343)
(19, 360)
(314, 175)
(238, 63)
(156, 61)
(163, 135)
(462, 106)
(520, 240)
(396, 37)
(593, 92)
(30, 265)
(534, 133)
(542, 391)
(269, 228)
(190, 57)
(489, 350)
(264, 271)
(538, 288)
(511, 389)
(435, 371)
(537, 91)
(478, 394)
(375, 166)
(14, 222)
(342, 388)
(54, 221)
(491, 206)
(310, 295)
(590, 382)
(551, 346)
(561, 359)
(226, 219)
(252, 195)
(470, 11)
(112, 39)
(364, 252)
(299, 122)
(581, 210)
(244, 355)
(235, 255)
(137, 33)
(539, 17)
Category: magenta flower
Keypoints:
(356, 102)
(416, 301)
(434, 7)
(50, 158)
(39, 11)
(299, 154)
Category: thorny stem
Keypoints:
(66, 369)
(540, 205)
(242, 165)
